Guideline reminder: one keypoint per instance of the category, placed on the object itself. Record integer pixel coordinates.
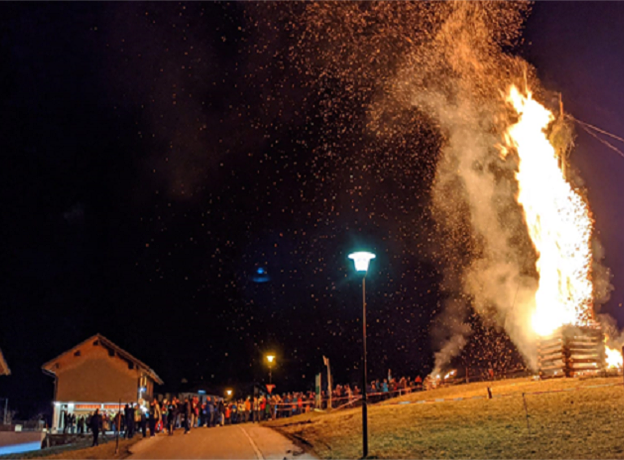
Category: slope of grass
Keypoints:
(579, 424)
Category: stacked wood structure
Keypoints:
(572, 351)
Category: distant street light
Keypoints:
(228, 393)
(362, 260)
(270, 359)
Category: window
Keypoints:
(77, 353)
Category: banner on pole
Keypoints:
(269, 387)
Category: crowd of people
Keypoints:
(167, 415)
(82, 423)
(170, 414)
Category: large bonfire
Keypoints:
(559, 223)
(557, 217)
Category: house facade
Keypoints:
(97, 374)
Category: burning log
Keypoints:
(572, 351)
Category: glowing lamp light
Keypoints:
(228, 392)
(270, 358)
(260, 275)
(361, 260)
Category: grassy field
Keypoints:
(580, 424)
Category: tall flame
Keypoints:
(558, 220)
(613, 358)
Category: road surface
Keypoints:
(244, 441)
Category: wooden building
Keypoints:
(97, 374)
(4, 368)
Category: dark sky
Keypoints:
(156, 155)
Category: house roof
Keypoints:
(4, 367)
(48, 367)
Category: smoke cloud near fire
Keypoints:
(489, 259)
(459, 79)
(444, 70)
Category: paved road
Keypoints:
(245, 441)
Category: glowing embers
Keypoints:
(572, 351)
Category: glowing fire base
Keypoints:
(572, 351)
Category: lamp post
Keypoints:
(362, 260)
(270, 359)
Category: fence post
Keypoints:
(526, 412)
(117, 425)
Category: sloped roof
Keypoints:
(4, 367)
(48, 367)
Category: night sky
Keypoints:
(156, 155)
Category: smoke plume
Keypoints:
(458, 79)
(444, 68)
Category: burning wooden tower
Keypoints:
(572, 351)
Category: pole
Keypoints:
(364, 396)
(270, 375)
(526, 412)
(117, 423)
(329, 385)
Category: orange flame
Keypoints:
(613, 356)
(450, 374)
(557, 217)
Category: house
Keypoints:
(4, 368)
(97, 374)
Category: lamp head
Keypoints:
(228, 392)
(361, 260)
(270, 358)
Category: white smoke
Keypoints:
(452, 71)
(489, 257)
(458, 81)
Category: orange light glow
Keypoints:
(613, 356)
(558, 220)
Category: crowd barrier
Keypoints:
(294, 408)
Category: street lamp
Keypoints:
(228, 393)
(362, 260)
(270, 359)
